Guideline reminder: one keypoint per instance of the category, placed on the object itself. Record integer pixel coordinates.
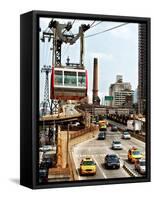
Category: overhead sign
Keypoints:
(108, 98)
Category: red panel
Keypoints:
(68, 97)
(55, 94)
(52, 83)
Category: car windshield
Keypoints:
(142, 163)
(126, 133)
(89, 162)
(116, 142)
(113, 158)
(101, 133)
(136, 153)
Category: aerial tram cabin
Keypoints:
(68, 83)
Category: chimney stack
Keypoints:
(96, 99)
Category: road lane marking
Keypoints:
(95, 148)
(76, 161)
(101, 170)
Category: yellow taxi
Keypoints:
(87, 166)
(134, 154)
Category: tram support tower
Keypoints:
(46, 103)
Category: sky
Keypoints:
(116, 50)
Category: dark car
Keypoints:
(114, 128)
(101, 135)
(112, 161)
(43, 175)
(43, 172)
(47, 160)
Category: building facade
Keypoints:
(121, 93)
(142, 74)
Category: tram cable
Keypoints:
(88, 36)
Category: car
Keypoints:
(116, 145)
(134, 154)
(75, 124)
(87, 166)
(112, 161)
(101, 135)
(40, 157)
(103, 127)
(126, 135)
(45, 148)
(43, 175)
(114, 128)
(44, 164)
(140, 166)
(47, 160)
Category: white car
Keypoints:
(74, 124)
(126, 135)
(116, 145)
(40, 157)
(140, 166)
(45, 148)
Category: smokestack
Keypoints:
(96, 99)
(95, 78)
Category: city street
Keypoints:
(98, 149)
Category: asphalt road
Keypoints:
(97, 149)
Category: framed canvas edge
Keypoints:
(35, 86)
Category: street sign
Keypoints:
(108, 98)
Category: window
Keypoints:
(70, 79)
(81, 79)
(58, 78)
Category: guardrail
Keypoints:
(58, 117)
(75, 134)
(128, 170)
(135, 135)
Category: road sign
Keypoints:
(108, 98)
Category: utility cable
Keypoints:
(96, 24)
(106, 30)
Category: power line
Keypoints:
(96, 24)
(73, 22)
(92, 24)
(106, 30)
